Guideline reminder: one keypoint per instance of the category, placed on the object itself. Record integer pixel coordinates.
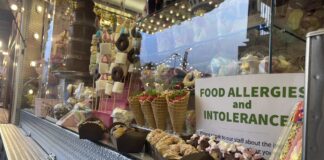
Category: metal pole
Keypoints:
(313, 130)
(271, 34)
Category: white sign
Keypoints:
(249, 109)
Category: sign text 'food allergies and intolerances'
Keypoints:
(248, 109)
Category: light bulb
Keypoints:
(171, 11)
(30, 91)
(149, 27)
(176, 4)
(39, 9)
(49, 16)
(158, 23)
(36, 36)
(183, 17)
(173, 21)
(161, 16)
(167, 19)
(22, 9)
(164, 25)
(0, 44)
(189, 9)
(177, 14)
(152, 21)
(143, 25)
(183, 7)
(14, 7)
(33, 63)
(210, 2)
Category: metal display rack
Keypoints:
(314, 101)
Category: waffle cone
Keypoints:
(148, 113)
(135, 106)
(160, 111)
(177, 111)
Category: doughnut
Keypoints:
(132, 55)
(122, 43)
(117, 74)
(189, 79)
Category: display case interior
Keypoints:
(104, 65)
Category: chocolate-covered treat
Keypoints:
(92, 129)
(193, 140)
(203, 143)
(198, 156)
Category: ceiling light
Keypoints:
(177, 14)
(143, 25)
(210, 2)
(36, 36)
(14, 7)
(155, 28)
(183, 6)
(183, 17)
(173, 21)
(164, 25)
(161, 16)
(39, 9)
(152, 21)
(30, 91)
(216, 5)
(0, 44)
(167, 19)
(158, 23)
(149, 27)
(5, 53)
(189, 9)
(176, 4)
(171, 11)
(22, 9)
(33, 63)
(49, 16)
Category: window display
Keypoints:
(110, 72)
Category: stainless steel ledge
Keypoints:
(64, 145)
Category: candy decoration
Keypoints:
(118, 87)
(121, 58)
(117, 74)
(103, 68)
(105, 48)
(108, 88)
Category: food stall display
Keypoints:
(129, 80)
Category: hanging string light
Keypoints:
(181, 11)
